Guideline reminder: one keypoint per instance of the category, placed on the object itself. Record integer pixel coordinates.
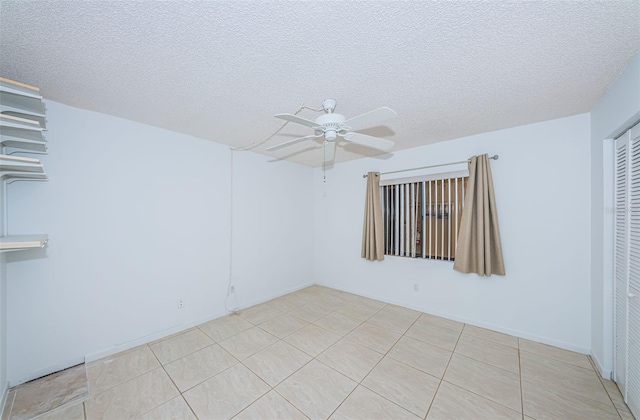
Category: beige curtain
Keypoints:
(372, 230)
(479, 249)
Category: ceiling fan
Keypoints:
(332, 125)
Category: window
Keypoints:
(421, 215)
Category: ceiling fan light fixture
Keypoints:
(330, 135)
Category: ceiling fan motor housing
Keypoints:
(331, 125)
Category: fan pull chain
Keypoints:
(324, 163)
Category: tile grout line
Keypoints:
(238, 361)
(273, 388)
(180, 393)
(605, 388)
(130, 379)
(480, 361)
(234, 334)
(573, 366)
(385, 355)
(261, 395)
(315, 357)
(420, 370)
(382, 358)
(174, 384)
(370, 370)
(445, 371)
(312, 357)
(288, 312)
(324, 364)
(196, 328)
(546, 356)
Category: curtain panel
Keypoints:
(479, 248)
(372, 230)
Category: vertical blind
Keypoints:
(421, 215)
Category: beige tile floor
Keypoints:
(321, 353)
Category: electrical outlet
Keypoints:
(180, 303)
(416, 287)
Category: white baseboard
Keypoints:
(275, 295)
(173, 330)
(138, 341)
(474, 322)
(148, 338)
(606, 374)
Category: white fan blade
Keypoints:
(329, 150)
(290, 142)
(370, 141)
(296, 119)
(371, 118)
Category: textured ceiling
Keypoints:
(221, 70)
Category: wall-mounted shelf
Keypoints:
(15, 168)
(19, 122)
(22, 242)
(22, 121)
(20, 134)
(20, 164)
(20, 105)
(12, 86)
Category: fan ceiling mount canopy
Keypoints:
(332, 126)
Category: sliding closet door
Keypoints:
(627, 268)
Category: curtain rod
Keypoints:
(494, 157)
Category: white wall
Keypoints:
(273, 227)
(138, 217)
(618, 108)
(542, 183)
